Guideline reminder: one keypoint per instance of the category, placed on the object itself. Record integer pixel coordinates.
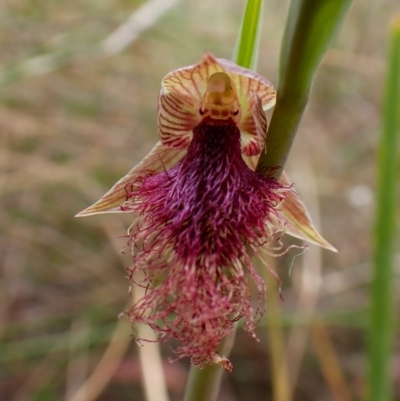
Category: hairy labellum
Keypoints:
(198, 225)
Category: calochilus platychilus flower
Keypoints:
(201, 212)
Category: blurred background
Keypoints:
(78, 100)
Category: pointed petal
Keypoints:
(299, 222)
(253, 128)
(160, 157)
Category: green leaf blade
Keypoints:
(248, 39)
(382, 318)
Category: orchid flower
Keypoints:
(202, 212)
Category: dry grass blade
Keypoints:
(276, 336)
(106, 367)
(140, 20)
(78, 361)
(329, 363)
(310, 277)
(154, 383)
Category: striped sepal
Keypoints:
(160, 157)
(298, 220)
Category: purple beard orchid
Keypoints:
(202, 212)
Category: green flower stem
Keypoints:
(281, 386)
(381, 329)
(310, 29)
(204, 384)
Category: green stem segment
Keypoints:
(381, 330)
(203, 384)
(310, 29)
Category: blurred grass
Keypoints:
(67, 135)
(382, 323)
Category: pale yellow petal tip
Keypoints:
(100, 207)
(325, 244)
(306, 232)
(159, 158)
(298, 220)
(81, 214)
(86, 212)
(332, 248)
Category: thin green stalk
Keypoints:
(248, 40)
(310, 29)
(276, 338)
(381, 330)
(204, 384)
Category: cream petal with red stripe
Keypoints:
(176, 119)
(160, 157)
(248, 82)
(182, 92)
(253, 128)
